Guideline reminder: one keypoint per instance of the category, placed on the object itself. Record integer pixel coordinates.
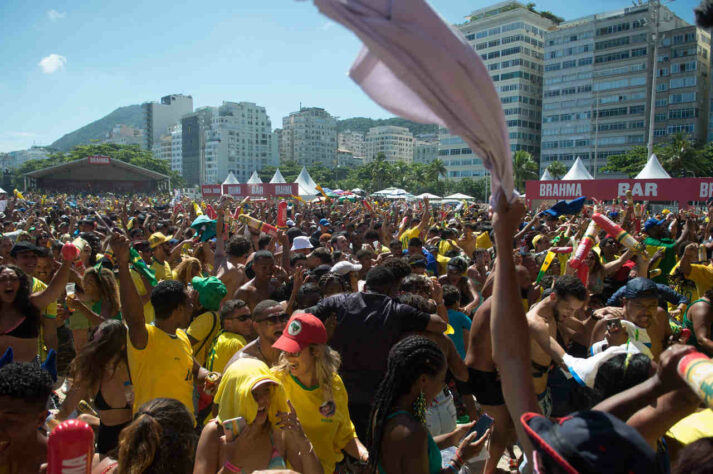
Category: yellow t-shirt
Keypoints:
(408, 235)
(693, 427)
(328, 434)
(162, 270)
(141, 289)
(224, 347)
(702, 276)
(164, 368)
(51, 310)
(203, 329)
(483, 241)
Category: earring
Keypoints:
(419, 408)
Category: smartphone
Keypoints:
(233, 427)
(481, 426)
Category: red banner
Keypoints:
(682, 190)
(252, 190)
(99, 160)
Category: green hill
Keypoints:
(130, 115)
(363, 124)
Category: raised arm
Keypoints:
(132, 309)
(508, 325)
(55, 288)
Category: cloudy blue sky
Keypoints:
(66, 63)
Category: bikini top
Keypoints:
(102, 405)
(24, 329)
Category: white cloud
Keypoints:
(54, 15)
(327, 25)
(52, 63)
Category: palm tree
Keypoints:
(524, 168)
(436, 170)
(557, 169)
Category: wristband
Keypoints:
(453, 467)
(458, 459)
(231, 467)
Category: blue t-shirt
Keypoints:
(459, 321)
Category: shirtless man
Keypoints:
(263, 285)
(484, 379)
(468, 241)
(640, 308)
(568, 296)
(24, 391)
(230, 262)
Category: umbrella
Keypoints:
(205, 227)
(416, 66)
(428, 195)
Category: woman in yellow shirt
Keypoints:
(308, 372)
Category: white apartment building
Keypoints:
(159, 116)
(352, 141)
(396, 143)
(234, 137)
(177, 148)
(597, 85)
(425, 151)
(509, 38)
(346, 159)
(309, 137)
(163, 149)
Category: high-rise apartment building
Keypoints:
(352, 141)
(682, 84)
(158, 116)
(309, 137)
(509, 38)
(177, 148)
(235, 137)
(163, 149)
(597, 84)
(396, 143)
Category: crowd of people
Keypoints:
(391, 337)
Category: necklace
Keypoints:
(259, 349)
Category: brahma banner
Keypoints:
(681, 190)
(99, 160)
(264, 190)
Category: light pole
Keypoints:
(655, 5)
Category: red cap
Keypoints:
(301, 330)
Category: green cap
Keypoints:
(210, 292)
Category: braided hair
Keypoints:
(410, 358)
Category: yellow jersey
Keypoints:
(162, 369)
(328, 432)
(224, 347)
(408, 235)
(204, 328)
(49, 312)
(162, 270)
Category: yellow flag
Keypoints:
(19, 194)
(298, 198)
(197, 209)
(319, 188)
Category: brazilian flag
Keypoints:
(139, 266)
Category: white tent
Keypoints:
(306, 178)
(231, 179)
(277, 178)
(459, 196)
(306, 186)
(577, 171)
(653, 170)
(427, 195)
(254, 179)
(546, 176)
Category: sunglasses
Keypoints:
(278, 318)
(242, 318)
